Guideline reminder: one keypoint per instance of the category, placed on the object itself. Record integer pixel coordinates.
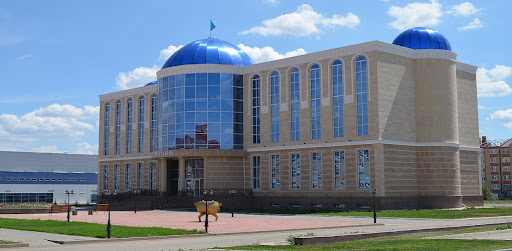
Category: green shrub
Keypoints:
(486, 192)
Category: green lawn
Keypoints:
(498, 202)
(89, 229)
(6, 242)
(403, 242)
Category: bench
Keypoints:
(102, 207)
(58, 208)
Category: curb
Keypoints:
(14, 245)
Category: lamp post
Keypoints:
(135, 192)
(69, 208)
(205, 192)
(109, 229)
(232, 192)
(374, 192)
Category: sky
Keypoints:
(56, 57)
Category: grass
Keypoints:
(7, 242)
(420, 213)
(403, 242)
(498, 202)
(89, 229)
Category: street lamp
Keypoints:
(135, 192)
(232, 192)
(68, 193)
(374, 192)
(109, 229)
(205, 192)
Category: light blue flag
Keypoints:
(212, 26)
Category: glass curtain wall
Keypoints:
(295, 104)
(337, 98)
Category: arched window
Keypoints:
(141, 124)
(337, 98)
(362, 96)
(129, 125)
(153, 122)
(274, 105)
(118, 127)
(256, 137)
(107, 127)
(315, 102)
(294, 104)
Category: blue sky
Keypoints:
(56, 57)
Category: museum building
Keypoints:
(320, 130)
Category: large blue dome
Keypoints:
(422, 38)
(209, 51)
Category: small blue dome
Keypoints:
(422, 38)
(151, 83)
(209, 51)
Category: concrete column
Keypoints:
(162, 175)
(181, 183)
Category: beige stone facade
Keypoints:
(421, 149)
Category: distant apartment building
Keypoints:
(495, 164)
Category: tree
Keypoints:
(486, 192)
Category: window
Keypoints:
(153, 122)
(141, 124)
(129, 126)
(506, 169)
(128, 177)
(107, 127)
(81, 180)
(506, 177)
(256, 171)
(495, 186)
(295, 171)
(362, 96)
(118, 127)
(140, 175)
(505, 150)
(494, 169)
(507, 187)
(494, 160)
(315, 102)
(152, 175)
(337, 98)
(275, 177)
(295, 104)
(105, 177)
(274, 105)
(494, 151)
(316, 169)
(495, 177)
(505, 160)
(482, 161)
(339, 170)
(363, 163)
(116, 176)
(256, 110)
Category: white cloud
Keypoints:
(491, 83)
(305, 21)
(270, 2)
(26, 56)
(136, 78)
(68, 111)
(503, 115)
(416, 14)
(47, 149)
(86, 148)
(268, 53)
(167, 52)
(473, 25)
(464, 9)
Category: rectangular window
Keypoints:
(495, 186)
(295, 171)
(118, 127)
(362, 96)
(275, 177)
(140, 175)
(129, 126)
(274, 106)
(107, 128)
(256, 109)
(494, 151)
(153, 122)
(294, 104)
(256, 171)
(507, 187)
(363, 163)
(494, 160)
(315, 102)
(506, 168)
(117, 171)
(505, 160)
(81, 180)
(316, 171)
(128, 177)
(505, 150)
(339, 170)
(141, 124)
(337, 98)
(506, 177)
(105, 177)
(495, 177)
(152, 181)
(494, 168)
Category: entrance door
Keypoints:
(173, 167)
(197, 187)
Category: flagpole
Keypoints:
(210, 28)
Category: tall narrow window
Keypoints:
(107, 127)
(153, 122)
(256, 171)
(118, 127)
(362, 96)
(316, 171)
(363, 163)
(339, 170)
(152, 176)
(256, 109)
(274, 106)
(128, 177)
(294, 104)
(315, 102)
(275, 179)
(295, 171)
(129, 125)
(105, 177)
(141, 124)
(140, 176)
(337, 98)
(117, 170)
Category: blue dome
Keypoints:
(151, 83)
(209, 51)
(422, 38)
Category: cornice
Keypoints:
(466, 67)
(199, 68)
(129, 92)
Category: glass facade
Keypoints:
(105, 177)
(295, 171)
(274, 105)
(128, 177)
(256, 172)
(295, 104)
(315, 102)
(152, 176)
(275, 172)
(117, 176)
(194, 176)
(339, 170)
(316, 171)
(118, 127)
(141, 123)
(140, 176)
(256, 137)
(363, 163)
(107, 127)
(153, 122)
(362, 96)
(129, 125)
(337, 98)
(18, 198)
(199, 111)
